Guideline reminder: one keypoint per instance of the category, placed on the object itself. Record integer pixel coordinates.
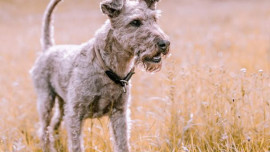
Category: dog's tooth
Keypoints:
(156, 58)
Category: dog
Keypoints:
(91, 80)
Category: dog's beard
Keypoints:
(151, 62)
(152, 67)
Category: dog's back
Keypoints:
(52, 66)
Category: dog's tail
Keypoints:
(47, 39)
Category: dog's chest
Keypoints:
(101, 96)
(111, 99)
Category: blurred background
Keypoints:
(212, 94)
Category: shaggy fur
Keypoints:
(71, 77)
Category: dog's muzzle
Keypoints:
(163, 48)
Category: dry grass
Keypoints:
(200, 101)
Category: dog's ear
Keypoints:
(151, 3)
(112, 8)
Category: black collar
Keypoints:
(115, 78)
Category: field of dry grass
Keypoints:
(213, 93)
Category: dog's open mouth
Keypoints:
(155, 59)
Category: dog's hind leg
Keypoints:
(56, 121)
(73, 120)
(58, 114)
(45, 104)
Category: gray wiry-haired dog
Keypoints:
(89, 80)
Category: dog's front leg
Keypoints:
(74, 124)
(119, 129)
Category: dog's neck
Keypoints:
(112, 53)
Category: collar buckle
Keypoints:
(124, 83)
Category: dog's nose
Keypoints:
(163, 44)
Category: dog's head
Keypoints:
(135, 27)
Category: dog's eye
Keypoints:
(136, 23)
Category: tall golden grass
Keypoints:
(213, 93)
